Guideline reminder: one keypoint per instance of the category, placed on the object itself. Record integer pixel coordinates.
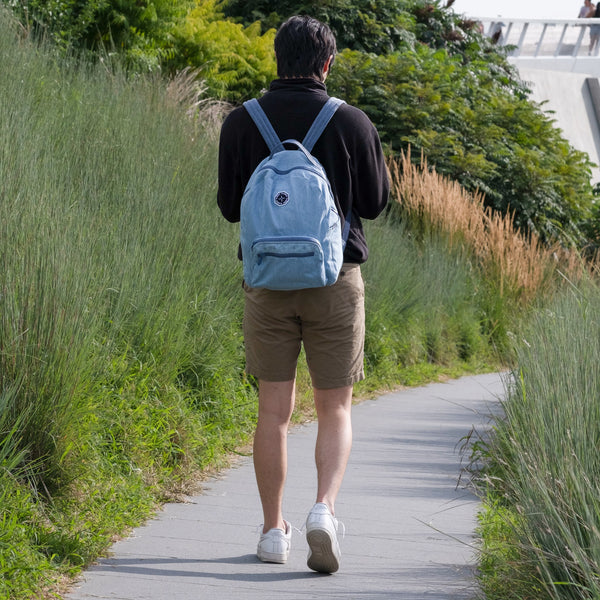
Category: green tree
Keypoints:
(369, 25)
(428, 78)
(139, 31)
(474, 130)
(236, 62)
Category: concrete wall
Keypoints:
(589, 65)
(568, 95)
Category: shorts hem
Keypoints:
(330, 384)
(269, 376)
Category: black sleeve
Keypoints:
(371, 186)
(230, 191)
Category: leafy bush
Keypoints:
(429, 79)
(139, 31)
(366, 25)
(475, 131)
(235, 62)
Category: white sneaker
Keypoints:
(321, 534)
(274, 546)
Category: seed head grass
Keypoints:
(520, 265)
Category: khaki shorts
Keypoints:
(330, 321)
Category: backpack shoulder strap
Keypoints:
(320, 122)
(264, 125)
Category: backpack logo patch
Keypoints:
(282, 198)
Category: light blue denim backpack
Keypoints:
(290, 229)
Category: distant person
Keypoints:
(595, 32)
(587, 10)
(496, 32)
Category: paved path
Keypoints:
(409, 529)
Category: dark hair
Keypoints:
(302, 47)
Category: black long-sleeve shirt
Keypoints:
(349, 150)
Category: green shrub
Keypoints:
(235, 62)
(371, 26)
(139, 31)
(474, 129)
(429, 79)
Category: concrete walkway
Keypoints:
(409, 528)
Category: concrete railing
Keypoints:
(552, 44)
(545, 37)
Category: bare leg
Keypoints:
(334, 441)
(275, 406)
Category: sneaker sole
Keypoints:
(272, 557)
(322, 557)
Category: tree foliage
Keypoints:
(428, 78)
(139, 31)
(425, 75)
(235, 61)
(366, 25)
(474, 131)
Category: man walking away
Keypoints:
(328, 320)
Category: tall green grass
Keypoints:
(424, 305)
(541, 527)
(120, 349)
(121, 354)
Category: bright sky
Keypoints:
(520, 9)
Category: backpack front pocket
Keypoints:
(285, 263)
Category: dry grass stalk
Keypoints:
(187, 90)
(522, 265)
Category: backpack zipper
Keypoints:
(287, 238)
